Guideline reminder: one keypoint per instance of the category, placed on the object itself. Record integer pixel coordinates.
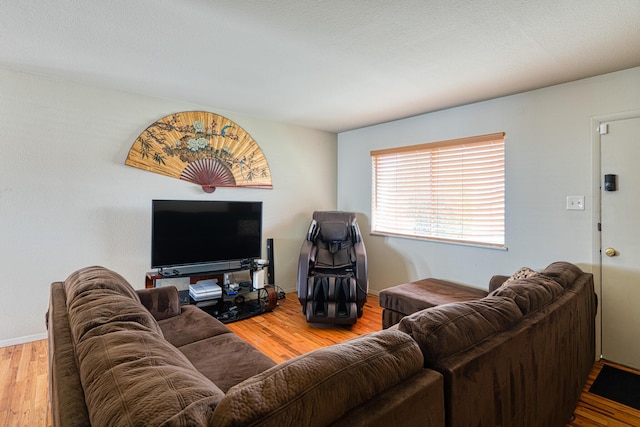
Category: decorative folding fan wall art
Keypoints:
(202, 148)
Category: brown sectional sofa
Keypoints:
(518, 357)
(129, 358)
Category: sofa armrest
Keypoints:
(320, 387)
(416, 401)
(68, 406)
(162, 302)
(496, 281)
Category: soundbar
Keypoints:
(201, 268)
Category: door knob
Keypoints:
(610, 252)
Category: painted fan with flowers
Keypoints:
(202, 148)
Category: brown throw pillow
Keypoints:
(162, 303)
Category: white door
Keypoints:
(620, 243)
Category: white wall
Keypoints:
(548, 157)
(68, 201)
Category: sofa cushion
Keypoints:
(136, 378)
(98, 314)
(496, 281)
(562, 272)
(101, 301)
(530, 293)
(191, 326)
(226, 359)
(92, 278)
(447, 329)
(318, 388)
(162, 302)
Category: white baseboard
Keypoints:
(23, 340)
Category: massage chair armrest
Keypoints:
(303, 269)
(162, 302)
(362, 277)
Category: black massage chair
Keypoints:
(332, 269)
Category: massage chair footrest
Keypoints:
(345, 313)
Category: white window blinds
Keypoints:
(449, 190)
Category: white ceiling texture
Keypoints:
(333, 65)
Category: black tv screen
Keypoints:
(220, 233)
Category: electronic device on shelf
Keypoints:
(189, 236)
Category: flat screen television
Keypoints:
(204, 235)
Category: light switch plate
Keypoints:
(575, 203)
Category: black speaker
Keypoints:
(271, 275)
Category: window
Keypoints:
(450, 190)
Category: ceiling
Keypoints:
(333, 65)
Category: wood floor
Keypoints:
(281, 334)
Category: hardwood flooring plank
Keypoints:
(284, 333)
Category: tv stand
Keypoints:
(233, 305)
